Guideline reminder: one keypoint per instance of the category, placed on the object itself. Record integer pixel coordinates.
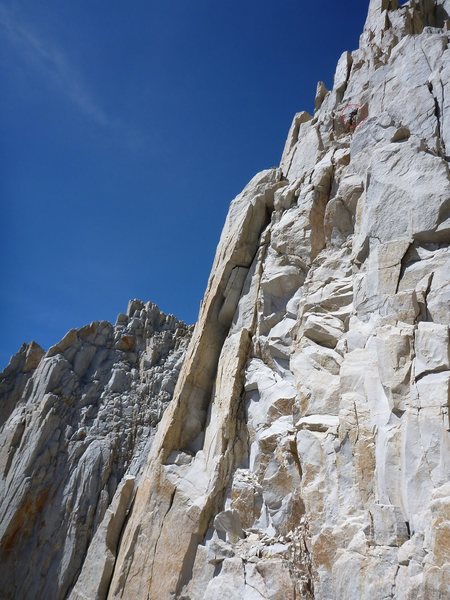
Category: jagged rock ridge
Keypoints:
(306, 451)
(76, 425)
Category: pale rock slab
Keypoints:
(432, 346)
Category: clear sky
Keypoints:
(126, 128)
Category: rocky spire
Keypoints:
(76, 424)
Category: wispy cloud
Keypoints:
(52, 64)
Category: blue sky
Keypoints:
(126, 128)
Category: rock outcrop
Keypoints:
(76, 426)
(306, 450)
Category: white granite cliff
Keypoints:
(306, 450)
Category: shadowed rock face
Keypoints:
(77, 423)
(306, 451)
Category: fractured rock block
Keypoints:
(389, 526)
(323, 329)
(229, 522)
(432, 347)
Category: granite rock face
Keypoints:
(306, 453)
(76, 425)
(306, 450)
